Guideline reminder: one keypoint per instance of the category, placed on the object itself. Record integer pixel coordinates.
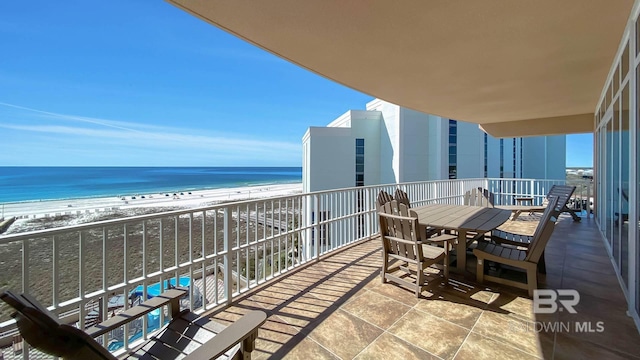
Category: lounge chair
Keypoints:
(483, 197)
(186, 336)
(522, 240)
(513, 256)
(402, 241)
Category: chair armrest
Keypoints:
(440, 239)
(171, 296)
(244, 331)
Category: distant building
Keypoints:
(387, 143)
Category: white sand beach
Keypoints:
(186, 199)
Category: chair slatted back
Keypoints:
(479, 197)
(402, 197)
(42, 330)
(399, 232)
(563, 193)
(383, 198)
(543, 231)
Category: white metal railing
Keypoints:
(85, 273)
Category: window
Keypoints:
(520, 158)
(359, 162)
(515, 157)
(486, 153)
(453, 149)
(501, 158)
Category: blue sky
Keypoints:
(142, 83)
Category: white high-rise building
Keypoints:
(387, 143)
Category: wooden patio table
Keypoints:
(463, 219)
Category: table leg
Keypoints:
(461, 251)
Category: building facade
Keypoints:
(387, 143)
(617, 162)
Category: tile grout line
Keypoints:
(384, 330)
(507, 344)
(390, 326)
(555, 335)
(470, 331)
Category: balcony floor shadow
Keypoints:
(338, 308)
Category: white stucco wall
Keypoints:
(556, 160)
(470, 146)
(438, 148)
(366, 125)
(389, 140)
(402, 145)
(413, 162)
(493, 155)
(331, 153)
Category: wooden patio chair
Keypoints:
(563, 193)
(522, 240)
(402, 197)
(402, 241)
(383, 198)
(513, 256)
(186, 336)
(479, 197)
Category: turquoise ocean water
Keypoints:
(49, 183)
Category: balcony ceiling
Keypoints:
(517, 68)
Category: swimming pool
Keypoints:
(155, 290)
(153, 318)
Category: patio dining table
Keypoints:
(463, 219)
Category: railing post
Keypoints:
(82, 252)
(25, 266)
(228, 286)
(55, 286)
(368, 206)
(588, 203)
(316, 231)
(531, 192)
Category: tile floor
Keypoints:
(338, 308)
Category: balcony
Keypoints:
(317, 277)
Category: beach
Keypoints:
(84, 209)
(39, 215)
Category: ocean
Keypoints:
(52, 183)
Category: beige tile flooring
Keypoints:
(337, 308)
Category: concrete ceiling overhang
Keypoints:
(526, 64)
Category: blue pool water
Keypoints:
(49, 183)
(155, 290)
(153, 318)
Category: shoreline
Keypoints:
(184, 198)
(151, 192)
